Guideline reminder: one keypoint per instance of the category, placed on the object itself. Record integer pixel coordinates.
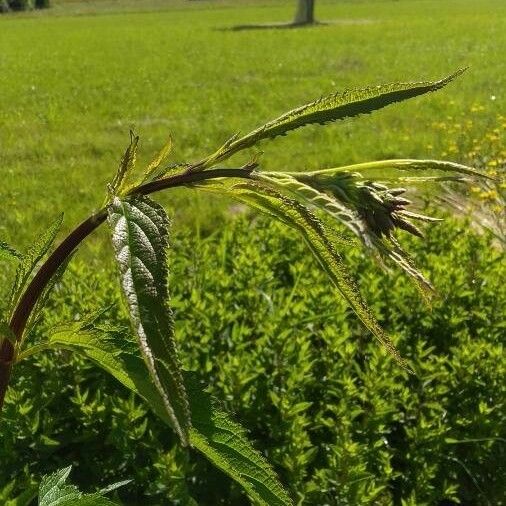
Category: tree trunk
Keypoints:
(305, 13)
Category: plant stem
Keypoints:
(36, 286)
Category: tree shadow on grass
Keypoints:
(292, 25)
(273, 26)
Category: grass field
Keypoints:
(72, 86)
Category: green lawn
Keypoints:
(72, 86)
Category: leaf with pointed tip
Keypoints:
(31, 258)
(334, 107)
(158, 160)
(299, 217)
(54, 491)
(140, 238)
(126, 166)
(220, 439)
(401, 170)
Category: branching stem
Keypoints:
(35, 288)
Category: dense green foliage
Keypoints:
(340, 422)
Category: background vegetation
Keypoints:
(342, 423)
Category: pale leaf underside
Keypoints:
(140, 238)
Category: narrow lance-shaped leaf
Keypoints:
(297, 216)
(334, 107)
(213, 433)
(399, 170)
(35, 315)
(158, 160)
(140, 238)
(126, 166)
(31, 258)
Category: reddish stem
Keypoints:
(47, 270)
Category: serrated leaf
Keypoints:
(31, 258)
(36, 313)
(54, 491)
(401, 170)
(387, 249)
(213, 433)
(297, 216)
(334, 107)
(140, 238)
(158, 160)
(7, 252)
(126, 166)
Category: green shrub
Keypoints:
(342, 423)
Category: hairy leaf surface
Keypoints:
(126, 166)
(31, 258)
(320, 242)
(158, 160)
(213, 433)
(334, 107)
(401, 170)
(54, 491)
(140, 238)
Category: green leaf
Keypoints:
(334, 107)
(297, 216)
(401, 170)
(7, 252)
(213, 433)
(54, 491)
(158, 160)
(31, 258)
(329, 204)
(126, 165)
(140, 238)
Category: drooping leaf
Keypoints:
(31, 258)
(140, 238)
(126, 166)
(334, 107)
(54, 491)
(344, 213)
(213, 433)
(7, 252)
(299, 217)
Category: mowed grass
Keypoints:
(71, 87)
